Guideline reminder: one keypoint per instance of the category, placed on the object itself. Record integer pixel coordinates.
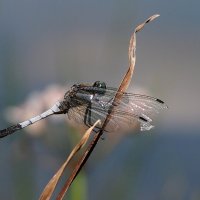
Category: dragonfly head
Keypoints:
(101, 86)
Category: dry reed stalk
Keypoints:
(50, 187)
(122, 88)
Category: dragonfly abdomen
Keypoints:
(10, 130)
(53, 110)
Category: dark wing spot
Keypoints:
(143, 119)
(160, 101)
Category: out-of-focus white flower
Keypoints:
(36, 103)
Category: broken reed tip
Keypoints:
(152, 18)
(141, 26)
(157, 15)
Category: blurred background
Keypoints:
(46, 46)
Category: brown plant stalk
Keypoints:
(50, 187)
(122, 88)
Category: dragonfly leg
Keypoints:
(87, 117)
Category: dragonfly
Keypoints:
(84, 104)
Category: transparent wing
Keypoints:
(144, 106)
(88, 114)
(131, 105)
(130, 110)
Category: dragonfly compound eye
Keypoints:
(101, 87)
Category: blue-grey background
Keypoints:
(63, 42)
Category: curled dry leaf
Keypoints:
(50, 187)
(132, 56)
(122, 88)
(132, 60)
